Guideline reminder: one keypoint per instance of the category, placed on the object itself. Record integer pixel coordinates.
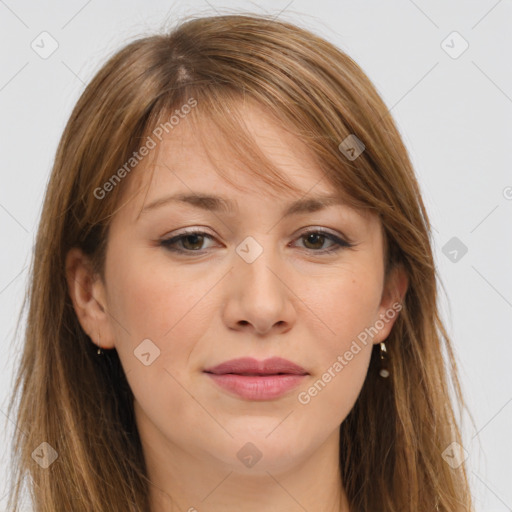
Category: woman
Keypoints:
(233, 297)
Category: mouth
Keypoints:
(251, 379)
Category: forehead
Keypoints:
(186, 160)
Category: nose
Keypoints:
(259, 300)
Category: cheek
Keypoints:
(151, 302)
(346, 301)
(346, 304)
(154, 299)
(342, 353)
(172, 310)
(331, 395)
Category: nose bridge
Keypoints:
(258, 296)
(254, 264)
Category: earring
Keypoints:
(384, 370)
(99, 352)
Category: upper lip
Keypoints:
(251, 366)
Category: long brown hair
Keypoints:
(392, 441)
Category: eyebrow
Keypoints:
(224, 205)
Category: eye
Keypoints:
(315, 239)
(192, 241)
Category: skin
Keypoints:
(292, 301)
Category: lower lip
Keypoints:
(257, 387)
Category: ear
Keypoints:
(88, 294)
(393, 293)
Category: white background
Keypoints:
(454, 114)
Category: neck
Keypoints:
(234, 492)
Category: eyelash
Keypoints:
(339, 243)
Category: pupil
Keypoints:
(193, 237)
(314, 238)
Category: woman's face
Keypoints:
(257, 283)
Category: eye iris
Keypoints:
(197, 239)
(314, 238)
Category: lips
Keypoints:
(250, 379)
(251, 367)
